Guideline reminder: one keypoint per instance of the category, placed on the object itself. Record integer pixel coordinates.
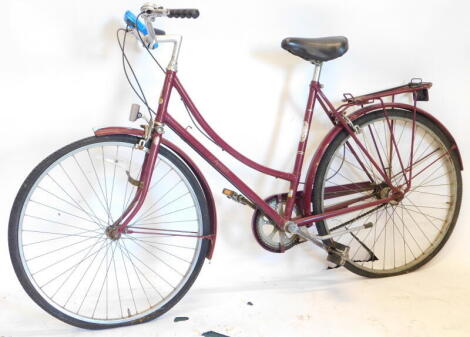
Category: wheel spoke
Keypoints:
(84, 270)
(407, 231)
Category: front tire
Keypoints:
(63, 209)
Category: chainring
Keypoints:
(266, 232)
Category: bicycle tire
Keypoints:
(319, 184)
(16, 217)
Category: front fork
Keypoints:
(155, 135)
(154, 132)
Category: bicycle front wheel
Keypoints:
(405, 234)
(64, 256)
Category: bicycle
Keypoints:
(113, 229)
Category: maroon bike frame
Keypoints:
(338, 118)
(163, 117)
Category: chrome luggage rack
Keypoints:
(416, 86)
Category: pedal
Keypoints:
(238, 198)
(341, 248)
(335, 260)
(338, 255)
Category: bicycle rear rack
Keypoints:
(416, 86)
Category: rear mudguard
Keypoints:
(312, 170)
(187, 160)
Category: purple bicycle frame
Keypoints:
(163, 117)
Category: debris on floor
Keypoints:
(180, 319)
(213, 334)
(333, 267)
(249, 303)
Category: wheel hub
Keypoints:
(387, 192)
(113, 233)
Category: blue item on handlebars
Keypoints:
(131, 20)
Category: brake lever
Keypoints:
(153, 10)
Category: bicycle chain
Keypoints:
(357, 218)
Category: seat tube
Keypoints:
(299, 158)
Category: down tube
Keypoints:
(223, 170)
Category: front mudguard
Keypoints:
(187, 160)
(312, 170)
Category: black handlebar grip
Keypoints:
(189, 13)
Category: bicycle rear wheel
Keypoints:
(72, 268)
(405, 234)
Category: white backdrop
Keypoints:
(61, 76)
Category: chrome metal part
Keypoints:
(159, 128)
(293, 228)
(141, 144)
(336, 255)
(149, 12)
(176, 40)
(268, 234)
(113, 233)
(135, 113)
(147, 133)
(317, 71)
(353, 126)
(387, 191)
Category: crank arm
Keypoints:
(338, 253)
(294, 229)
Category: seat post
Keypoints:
(317, 71)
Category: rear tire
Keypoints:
(410, 231)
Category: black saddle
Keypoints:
(316, 50)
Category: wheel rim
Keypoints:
(407, 233)
(94, 278)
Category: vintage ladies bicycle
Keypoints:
(113, 229)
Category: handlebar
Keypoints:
(151, 10)
(189, 13)
(150, 36)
